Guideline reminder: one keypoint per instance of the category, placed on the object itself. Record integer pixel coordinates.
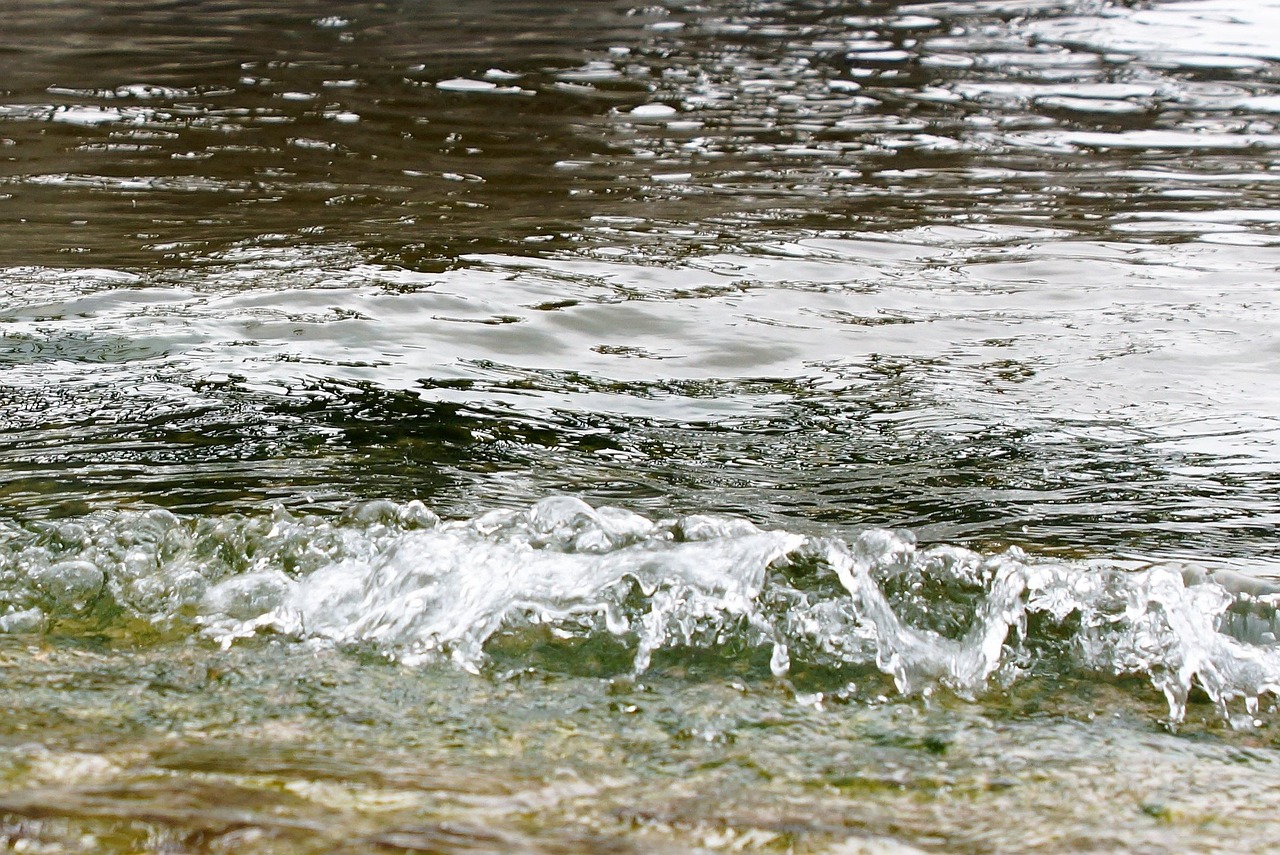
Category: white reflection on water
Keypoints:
(946, 337)
(1198, 34)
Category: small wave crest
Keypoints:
(398, 580)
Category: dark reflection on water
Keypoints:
(138, 132)
(141, 131)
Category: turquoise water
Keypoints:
(786, 427)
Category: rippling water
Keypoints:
(816, 426)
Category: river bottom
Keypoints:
(284, 748)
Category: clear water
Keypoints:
(841, 427)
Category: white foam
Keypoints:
(394, 579)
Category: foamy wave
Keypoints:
(396, 579)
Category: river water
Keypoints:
(723, 426)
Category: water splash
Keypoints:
(396, 579)
(446, 590)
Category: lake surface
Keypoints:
(727, 426)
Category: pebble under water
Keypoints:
(837, 427)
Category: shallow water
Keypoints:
(733, 426)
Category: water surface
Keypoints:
(783, 426)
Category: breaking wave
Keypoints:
(396, 579)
